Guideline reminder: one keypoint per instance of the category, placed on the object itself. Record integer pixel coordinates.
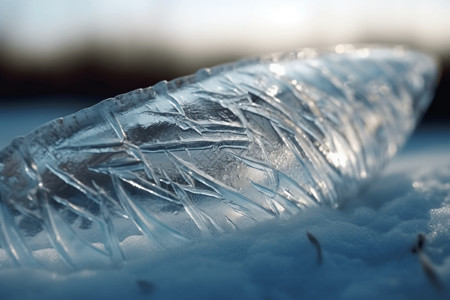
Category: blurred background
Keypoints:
(58, 56)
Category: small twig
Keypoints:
(429, 271)
(425, 262)
(420, 243)
(145, 286)
(316, 243)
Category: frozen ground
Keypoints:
(366, 248)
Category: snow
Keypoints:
(366, 246)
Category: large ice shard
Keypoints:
(219, 150)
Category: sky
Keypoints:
(197, 28)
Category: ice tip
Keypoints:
(423, 78)
(418, 70)
(420, 74)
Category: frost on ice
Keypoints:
(213, 152)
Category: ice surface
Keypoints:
(209, 153)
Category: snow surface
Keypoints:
(366, 247)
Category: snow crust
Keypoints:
(366, 247)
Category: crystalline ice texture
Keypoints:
(219, 150)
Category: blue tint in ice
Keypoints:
(205, 154)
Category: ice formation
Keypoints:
(213, 152)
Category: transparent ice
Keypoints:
(209, 153)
